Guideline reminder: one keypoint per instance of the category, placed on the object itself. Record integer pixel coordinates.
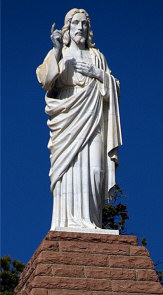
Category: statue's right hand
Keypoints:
(56, 37)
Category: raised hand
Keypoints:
(88, 70)
(56, 37)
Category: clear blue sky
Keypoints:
(129, 33)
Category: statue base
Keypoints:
(73, 263)
(88, 230)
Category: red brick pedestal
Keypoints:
(91, 264)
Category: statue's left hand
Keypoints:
(88, 70)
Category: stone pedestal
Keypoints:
(92, 264)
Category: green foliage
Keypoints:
(144, 242)
(115, 213)
(10, 271)
(159, 272)
(160, 276)
(6, 293)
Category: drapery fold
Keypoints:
(85, 134)
(74, 119)
(73, 122)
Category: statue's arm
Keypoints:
(49, 70)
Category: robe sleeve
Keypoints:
(48, 71)
(104, 84)
(110, 90)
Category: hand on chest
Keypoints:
(69, 63)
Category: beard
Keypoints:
(78, 39)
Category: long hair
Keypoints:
(66, 28)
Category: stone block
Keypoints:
(139, 287)
(131, 262)
(43, 269)
(75, 246)
(38, 291)
(71, 284)
(139, 251)
(72, 258)
(68, 292)
(68, 271)
(49, 245)
(94, 238)
(147, 275)
(110, 273)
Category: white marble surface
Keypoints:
(85, 132)
(88, 230)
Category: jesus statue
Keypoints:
(82, 101)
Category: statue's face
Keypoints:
(79, 28)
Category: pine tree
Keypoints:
(115, 213)
(10, 271)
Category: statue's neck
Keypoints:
(77, 47)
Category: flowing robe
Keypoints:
(85, 133)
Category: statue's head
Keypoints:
(73, 15)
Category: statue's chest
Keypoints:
(68, 71)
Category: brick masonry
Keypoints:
(92, 264)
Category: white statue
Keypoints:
(82, 102)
